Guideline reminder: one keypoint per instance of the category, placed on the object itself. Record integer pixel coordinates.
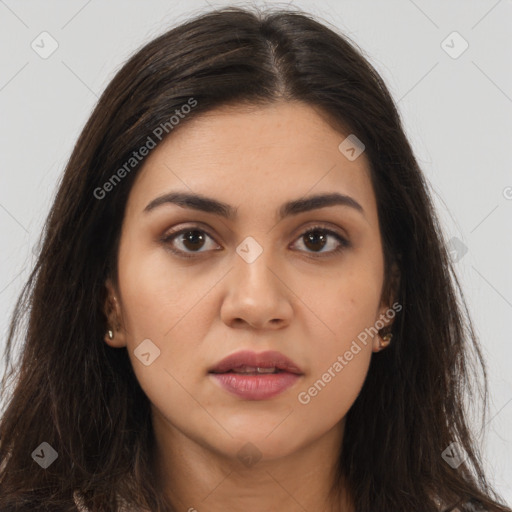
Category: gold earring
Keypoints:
(385, 340)
(110, 334)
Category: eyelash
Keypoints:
(343, 243)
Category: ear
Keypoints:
(389, 307)
(113, 313)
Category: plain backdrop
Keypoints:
(454, 93)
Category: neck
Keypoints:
(195, 477)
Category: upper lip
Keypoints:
(268, 359)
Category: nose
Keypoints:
(256, 295)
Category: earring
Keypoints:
(110, 335)
(385, 340)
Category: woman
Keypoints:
(243, 299)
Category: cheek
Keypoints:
(338, 368)
(336, 378)
(159, 314)
(340, 334)
(159, 296)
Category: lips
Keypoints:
(248, 362)
(252, 376)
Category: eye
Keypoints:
(193, 239)
(317, 237)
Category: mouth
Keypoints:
(251, 370)
(248, 362)
(254, 376)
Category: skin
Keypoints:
(199, 310)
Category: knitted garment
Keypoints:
(124, 507)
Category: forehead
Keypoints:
(257, 156)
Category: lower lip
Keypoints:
(256, 387)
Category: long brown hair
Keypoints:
(74, 392)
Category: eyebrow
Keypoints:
(210, 205)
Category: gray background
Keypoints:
(457, 113)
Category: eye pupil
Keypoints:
(314, 236)
(193, 236)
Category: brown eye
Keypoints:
(191, 240)
(317, 238)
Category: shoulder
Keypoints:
(123, 505)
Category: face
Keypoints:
(195, 286)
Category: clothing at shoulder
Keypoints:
(80, 504)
